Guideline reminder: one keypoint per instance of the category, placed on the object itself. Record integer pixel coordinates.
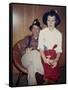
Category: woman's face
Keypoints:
(51, 22)
(35, 31)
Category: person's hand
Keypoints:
(54, 64)
(28, 50)
(48, 61)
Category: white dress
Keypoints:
(32, 61)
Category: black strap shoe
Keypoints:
(39, 78)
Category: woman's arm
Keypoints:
(57, 57)
(56, 60)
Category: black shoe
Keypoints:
(39, 78)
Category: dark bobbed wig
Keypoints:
(51, 13)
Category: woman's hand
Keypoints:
(54, 64)
(48, 61)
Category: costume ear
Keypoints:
(54, 46)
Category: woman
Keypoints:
(50, 46)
